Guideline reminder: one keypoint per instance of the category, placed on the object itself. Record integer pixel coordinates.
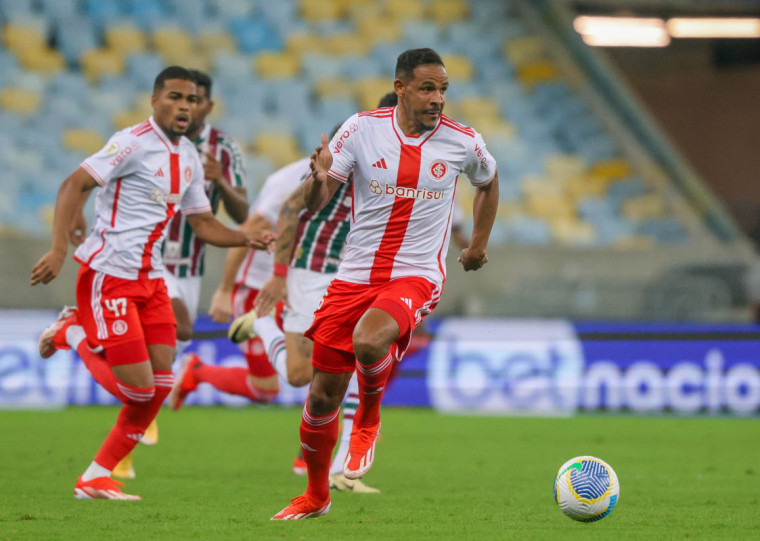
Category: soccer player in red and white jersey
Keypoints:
(146, 173)
(405, 162)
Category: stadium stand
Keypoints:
(73, 71)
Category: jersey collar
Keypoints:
(414, 140)
(204, 135)
(162, 135)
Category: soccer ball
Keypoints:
(586, 488)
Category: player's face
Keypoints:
(174, 106)
(423, 98)
(203, 107)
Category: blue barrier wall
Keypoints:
(489, 366)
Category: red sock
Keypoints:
(372, 380)
(318, 437)
(233, 380)
(100, 370)
(132, 421)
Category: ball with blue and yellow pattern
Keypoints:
(586, 488)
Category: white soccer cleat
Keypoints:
(341, 483)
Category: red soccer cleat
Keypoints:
(303, 506)
(185, 382)
(54, 337)
(101, 488)
(361, 451)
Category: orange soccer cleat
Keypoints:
(303, 506)
(54, 337)
(185, 382)
(361, 451)
(299, 465)
(101, 488)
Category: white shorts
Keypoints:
(305, 291)
(188, 290)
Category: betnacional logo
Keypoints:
(119, 327)
(160, 197)
(344, 136)
(438, 170)
(482, 156)
(375, 188)
(188, 174)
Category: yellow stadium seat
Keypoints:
(448, 11)
(382, 29)
(646, 206)
(611, 169)
(125, 39)
(319, 10)
(41, 59)
(540, 71)
(573, 232)
(369, 91)
(211, 42)
(347, 44)
(125, 119)
(98, 62)
(82, 141)
(19, 100)
(280, 148)
(271, 65)
(458, 67)
(177, 47)
(565, 166)
(405, 10)
(18, 36)
(495, 128)
(550, 206)
(534, 186)
(478, 109)
(301, 43)
(525, 49)
(585, 186)
(334, 87)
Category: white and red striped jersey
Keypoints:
(144, 180)
(258, 265)
(403, 193)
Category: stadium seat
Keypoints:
(347, 44)
(319, 10)
(447, 11)
(572, 232)
(644, 207)
(532, 73)
(383, 29)
(98, 62)
(334, 87)
(82, 141)
(75, 35)
(213, 41)
(406, 10)
(280, 148)
(369, 91)
(253, 35)
(459, 68)
(41, 59)
(524, 50)
(20, 101)
(125, 39)
(31, 33)
(277, 65)
(301, 43)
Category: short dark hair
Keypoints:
(389, 100)
(202, 79)
(172, 72)
(411, 58)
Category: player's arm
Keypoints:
(319, 188)
(78, 226)
(211, 230)
(67, 204)
(235, 198)
(483, 214)
(276, 289)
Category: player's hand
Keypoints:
(472, 260)
(221, 306)
(212, 168)
(273, 291)
(321, 160)
(77, 230)
(261, 240)
(47, 268)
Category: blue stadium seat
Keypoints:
(254, 35)
(529, 230)
(12, 9)
(102, 13)
(75, 35)
(142, 68)
(59, 9)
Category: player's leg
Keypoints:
(319, 432)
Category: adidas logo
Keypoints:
(135, 437)
(380, 164)
(406, 301)
(160, 172)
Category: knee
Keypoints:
(139, 396)
(300, 374)
(368, 348)
(184, 332)
(322, 403)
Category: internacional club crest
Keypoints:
(438, 170)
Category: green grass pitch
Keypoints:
(221, 473)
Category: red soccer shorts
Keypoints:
(115, 311)
(407, 300)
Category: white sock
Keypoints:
(350, 403)
(95, 470)
(274, 344)
(74, 336)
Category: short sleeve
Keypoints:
(479, 166)
(195, 200)
(118, 158)
(342, 148)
